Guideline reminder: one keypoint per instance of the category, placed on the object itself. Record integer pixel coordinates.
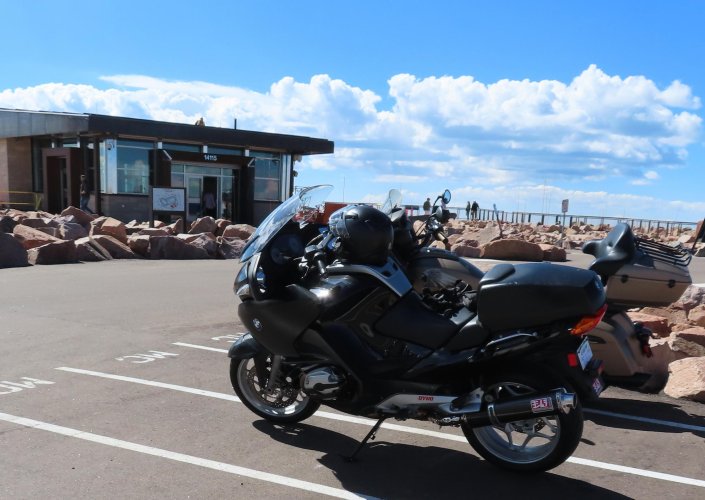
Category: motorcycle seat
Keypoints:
(496, 274)
(613, 251)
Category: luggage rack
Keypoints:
(677, 255)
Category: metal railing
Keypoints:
(13, 199)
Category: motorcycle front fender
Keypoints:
(246, 347)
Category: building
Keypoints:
(43, 154)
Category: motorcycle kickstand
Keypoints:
(370, 436)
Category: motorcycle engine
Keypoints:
(323, 382)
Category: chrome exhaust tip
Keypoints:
(565, 401)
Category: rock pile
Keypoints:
(679, 347)
(31, 238)
(536, 242)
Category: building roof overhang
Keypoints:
(23, 123)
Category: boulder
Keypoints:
(242, 231)
(230, 248)
(512, 250)
(657, 324)
(674, 315)
(171, 247)
(221, 225)
(87, 252)
(552, 253)
(56, 252)
(72, 231)
(687, 379)
(203, 225)
(696, 315)
(116, 248)
(109, 227)
(488, 234)
(694, 334)
(153, 231)
(205, 241)
(51, 231)
(7, 224)
(12, 252)
(139, 243)
(466, 249)
(39, 222)
(82, 217)
(693, 296)
(177, 227)
(31, 237)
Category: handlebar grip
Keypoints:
(321, 267)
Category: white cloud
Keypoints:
(456, 130)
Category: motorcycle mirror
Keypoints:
(446, 196)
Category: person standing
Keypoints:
(85, 195)
(467, 211)
(209, 205)
(473, 209)
(427, 206)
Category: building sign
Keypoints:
(564, 206)
(168, 199)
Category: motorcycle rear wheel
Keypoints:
(283, 404)
(531, 445)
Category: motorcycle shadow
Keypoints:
(640, 415)
(394, 470)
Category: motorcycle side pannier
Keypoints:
(526, 295)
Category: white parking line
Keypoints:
(202, 347)
(180, 457)
(400, 428)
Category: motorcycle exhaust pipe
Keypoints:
(523, 408)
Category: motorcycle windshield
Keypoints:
(393, 201)
(302, 207)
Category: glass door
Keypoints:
(194, 188)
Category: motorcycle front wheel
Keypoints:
(532, 445)
(283, 404)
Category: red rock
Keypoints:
(110, 227)
(139, 244)
(221, 225)
(656, 324)
(695, 334)
(242, 231)
(31, 237)
(171, 247)
(203, 225)
(696, 315)
(205, 241)
(82, 217)
(230, 248)
(552, 253)
(512, 250)
(116, 248)
(687, 379)
(12, 252)
(56, 252)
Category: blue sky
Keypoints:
(521, 104)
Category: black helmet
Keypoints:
(366, 233)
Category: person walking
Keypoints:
(85, 195)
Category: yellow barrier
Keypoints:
(36, 202)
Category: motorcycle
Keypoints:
(333, 319)
(636, 273)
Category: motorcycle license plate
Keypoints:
(584, 353)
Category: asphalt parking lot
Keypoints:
(114, 384)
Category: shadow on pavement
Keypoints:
(393, 470)
(657, 410)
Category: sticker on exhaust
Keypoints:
(541, 405)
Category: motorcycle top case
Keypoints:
(527, 295)
(656, 285)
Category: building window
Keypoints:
(133, 166)
(175, 146)
(267, 176)
(218, 150)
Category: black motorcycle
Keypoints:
(334, 319)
